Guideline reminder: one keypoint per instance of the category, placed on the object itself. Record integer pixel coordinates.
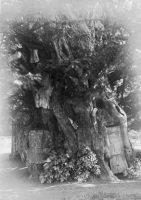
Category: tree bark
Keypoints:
(83, 124)
(65, 124)
(92, 133)
(118, 116)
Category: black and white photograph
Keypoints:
(70, 99)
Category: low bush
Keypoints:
(63, 167)
(134, 172)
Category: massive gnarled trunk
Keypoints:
(96, 122)
(59, 80)
(85, 124)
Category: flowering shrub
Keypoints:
(86, 165)
(63, 167)
(135, 170)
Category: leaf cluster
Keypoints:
(64, 167)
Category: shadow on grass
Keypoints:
(108, 196)
(113, 196)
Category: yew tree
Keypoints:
(63, 75)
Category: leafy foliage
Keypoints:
(75, 54)
(63, 167)
(86, 165)
(134, 172)
(78, 50)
